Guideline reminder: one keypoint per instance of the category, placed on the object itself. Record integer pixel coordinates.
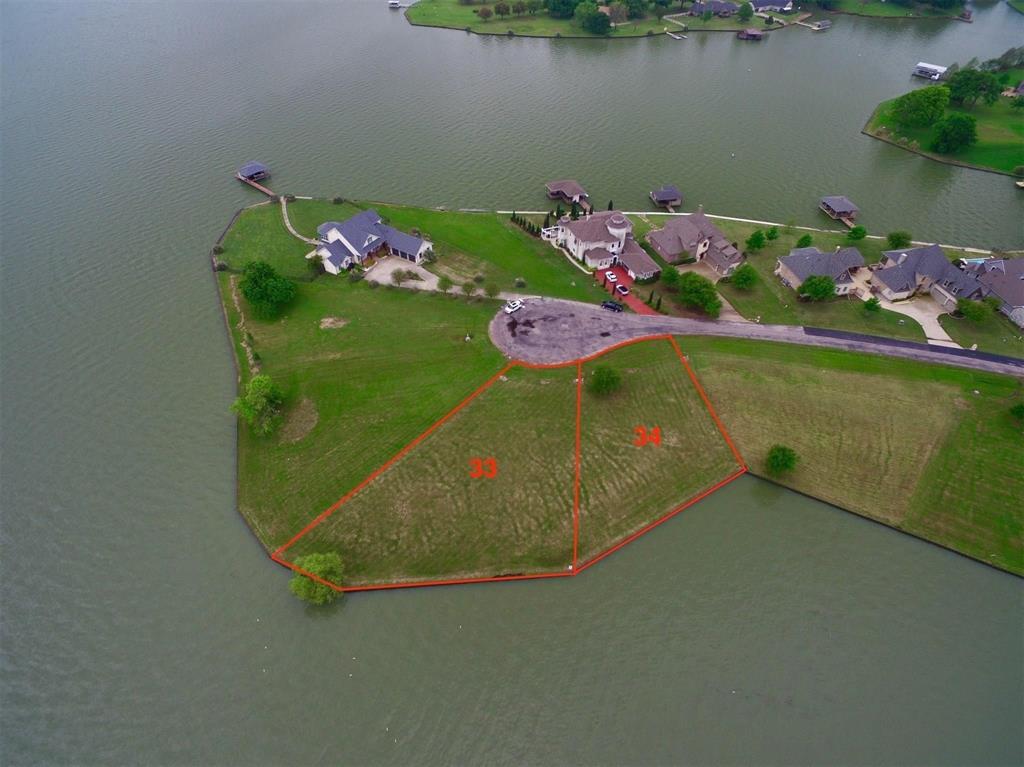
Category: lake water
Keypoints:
(141, 621)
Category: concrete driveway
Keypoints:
(924, 310)
(552, 331)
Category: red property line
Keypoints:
(647, 528)
(438, 424)
(707, 402)
(276, 555)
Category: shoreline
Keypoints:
(231, 342)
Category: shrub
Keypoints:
(971, 310)
(479, 279)
(772, 233)
(355, 277)
(260, 405)
(805, 241)
(898, 239)
(218, 249)
(780, 460)
(337, 200)
(745, 277)
(289, 198)
(817, 287)
(372, 284)
(1019, 171)
(1017, 411)
(605, 380)
(873, 305)
(520, 282)
(856, 233)
(327, 566)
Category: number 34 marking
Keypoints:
(486, 468)
(645, 436)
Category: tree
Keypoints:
(444, 284)
(469, 288)
(660, 9)
(972, 310)
(873, 305)
(562, 9)
(591, 19)
(756, 240)
(610, 207)
(618, 12)
(670, 278)
(954, 132)
(398, 277)
(856, 233)
(605, 380)
(707, 16)
(491, 290)
(519, 8)
(485, 13)
(745, 277)
(260, 405)
(501, 8)
(698, 292)
(1017, 102)
(898, 239)
(327, 566)
(805, 241)
(772, 234)
(780, 460)
(746, 12)
(637, 9)
(921, 107)
(818, 287)
(315, 264)
(969, 85)
(265, 290)
(533, 6)
(574, 214)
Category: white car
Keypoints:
(513, 306)
(610, 276)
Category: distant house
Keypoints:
(254, 171)
(602, 240)
(802, 263)
(667, 196)
(365, 236)
(839, 207)
(721, 8)
(694, 236)
(1004, 279)
(772, 6)
(568, 191)
(929, 71)
(904, 273)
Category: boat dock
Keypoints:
(258, 187)
(252, 173)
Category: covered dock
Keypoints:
(750, 34)
(839, 208)
(668, 197)
(570, 191)
(252, 173)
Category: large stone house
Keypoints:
(694, 236)
(602, 240)
(1003, 278)
(772, 6)
(904, 273)
(802, 263)
(352, 242)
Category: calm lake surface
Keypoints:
(141, 621)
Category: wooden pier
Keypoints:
(255, 185)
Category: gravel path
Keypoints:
(551, 331)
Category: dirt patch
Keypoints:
(300, 421)
(250, 355)
(332, 323)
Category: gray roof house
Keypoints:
(802, 263)
(602, 240)
(902, 273)
(694, 236)
(344, 244)
(1004, 279)
(717, 7)
(778, 6)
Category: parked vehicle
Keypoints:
(612, 306)
(610, 276)
(513, 306)
(622, 290)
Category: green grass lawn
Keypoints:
(426, 518)
(624, 486)
(1000, 144)
(1017, 5)
(995, 333)
(467, 244)
(905, 443)
(892, 10)
(729, 24)
(354, 395)
(451, 13)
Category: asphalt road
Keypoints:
(552, 331)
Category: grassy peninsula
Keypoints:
(364, 370)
